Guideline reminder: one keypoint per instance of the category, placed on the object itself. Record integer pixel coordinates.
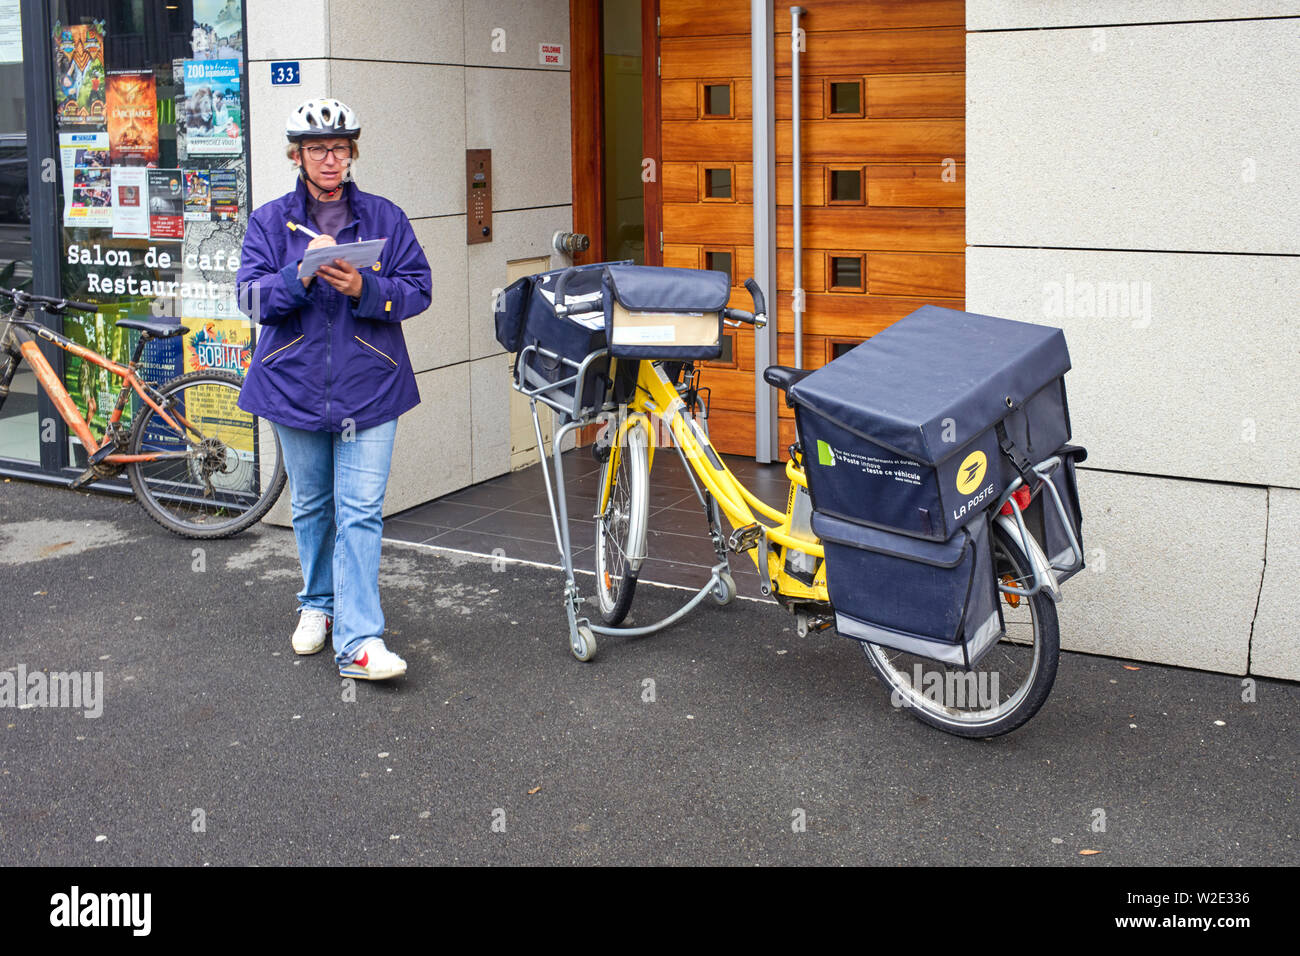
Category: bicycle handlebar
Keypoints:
(757, 318)
(48, 303)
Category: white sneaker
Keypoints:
(313, 627)
(375, 662)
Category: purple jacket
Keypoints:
(321, 359)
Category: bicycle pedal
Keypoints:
(746, 538)
(108, 448)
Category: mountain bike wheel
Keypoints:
(621, 525)
(1011, 681)
(232, 469)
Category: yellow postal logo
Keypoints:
(971, 472)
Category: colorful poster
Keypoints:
(93, 389)
(83, 156)
(225, 195)
(213, 124)
(198, 195)
(224, 345)
(166, 204)
(130, 209)
(218, 29)
(79, 78)
(132, 113)
(92, 197)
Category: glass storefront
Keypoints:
(18, 417)
(148, 124)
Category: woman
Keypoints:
(331, 371)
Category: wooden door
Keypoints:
(882, 90)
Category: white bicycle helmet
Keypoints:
(320, 118)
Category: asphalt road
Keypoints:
(217, 745)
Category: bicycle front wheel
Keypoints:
(1012, 679)
(219, 469)
(621, 525)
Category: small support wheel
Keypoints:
(724, 592)
(584, 644)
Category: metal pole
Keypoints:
(762, 59)
(796, 159)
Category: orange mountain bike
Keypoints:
(199, 465)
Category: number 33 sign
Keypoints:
(285, 73)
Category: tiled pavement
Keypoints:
(509, 516)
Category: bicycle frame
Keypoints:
(21, 330)
(657, 397)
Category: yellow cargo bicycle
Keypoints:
(640, 399)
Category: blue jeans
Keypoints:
(337, 495)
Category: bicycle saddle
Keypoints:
(159, 330)
(783, 377)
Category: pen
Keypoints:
(293, 225)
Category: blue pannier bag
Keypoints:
(937, 600)
(919, 429)
(551, 343)
(652, 312)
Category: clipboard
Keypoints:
(362, 255)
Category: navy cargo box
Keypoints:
(920, 428)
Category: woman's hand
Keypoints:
(316, 244)
(342, 276)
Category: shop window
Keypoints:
(150, 114)
(717, 183)
(844, 98)
(844, 273)
(844, 185)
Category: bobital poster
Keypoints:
(132, 112)
(79, 79)
(213, 122)
(220, 345)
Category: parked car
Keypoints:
(15, 202)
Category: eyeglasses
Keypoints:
(318, 152)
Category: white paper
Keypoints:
(130, 202)
(87, 152)
(645, 335)
(11, 32)
(361, 255)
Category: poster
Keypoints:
(218, 31)
(79, 78)
(92, 197)
(198, 194)
(224, 345)
(93, 389)
(132, 115)
(225, 195)
(130, 210)
(213, 123)
(83, 157)
(166, 204)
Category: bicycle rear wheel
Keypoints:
(230, 469)
(621, 525)
(1012, 679)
